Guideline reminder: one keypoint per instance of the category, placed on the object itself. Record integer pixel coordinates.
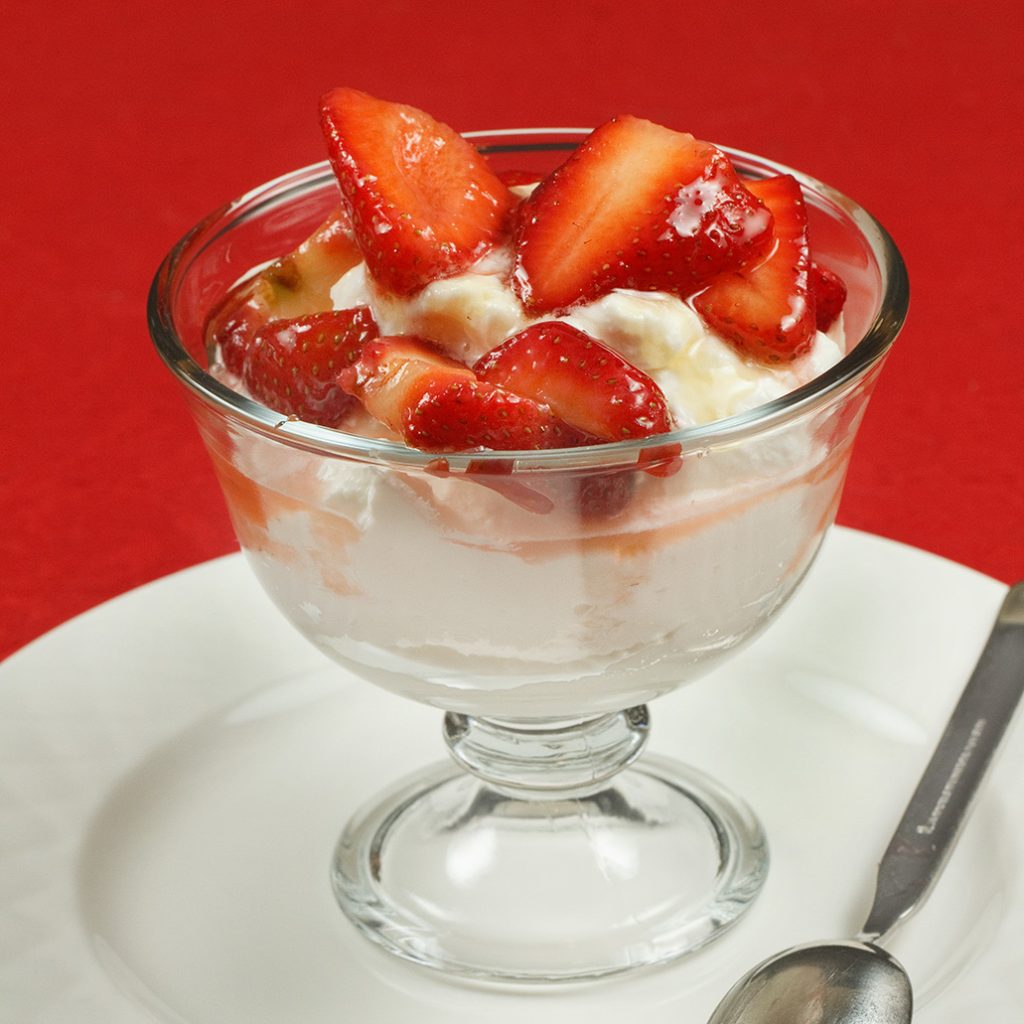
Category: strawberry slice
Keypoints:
(829, 294)
(293, 286)
(584, 382)
(424, 203)
(636, 206)
(292, 365)
(233, 323)
(390, 375)
(766, 311)
(468, 414)
(438, 405)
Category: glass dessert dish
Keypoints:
(539, 599)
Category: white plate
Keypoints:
(175, 765)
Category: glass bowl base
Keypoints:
(449, 873)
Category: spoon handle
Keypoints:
(933, 818)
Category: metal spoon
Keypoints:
(857, 982)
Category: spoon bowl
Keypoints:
(821, 983)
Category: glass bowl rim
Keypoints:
(870, 349)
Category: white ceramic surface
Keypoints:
(175, 766)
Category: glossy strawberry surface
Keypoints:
(636, 206)
(584, 382)
(293, 365)
(829, 294)
(465, 415)
(766, 310)
(424, 203)
(439, 405)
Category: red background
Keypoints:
(124, 124)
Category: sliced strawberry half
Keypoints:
(766, 311)
(292, 365)
(829, 295)
(468, 414)
(636, 206)
(584, 382)
(234, 322)
(293, 286)
(439, 405)
(390, 375)
(424, 203)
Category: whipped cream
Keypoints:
(703, 377)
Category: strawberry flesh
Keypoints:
(294, 285)
(464, 415)
(766, 310)
(234, 322)
(390, 375)
(584, 382)
(829, 295)
(439, 405)
(636, 206)
(424, 203)
(292, 365)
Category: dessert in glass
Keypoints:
(515, 452)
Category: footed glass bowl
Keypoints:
(539, 599)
